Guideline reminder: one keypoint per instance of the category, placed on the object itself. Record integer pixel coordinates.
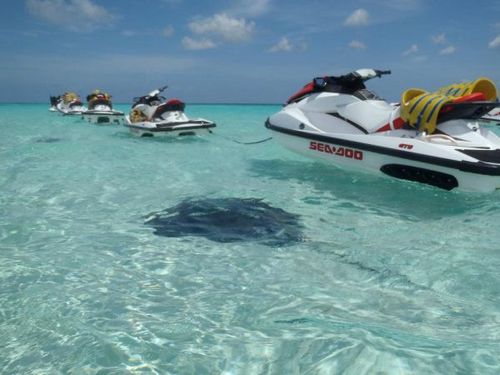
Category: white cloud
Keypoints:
(356, 44)
(283, 45)
(412, 50)
(448, 50)
(229, 28)
(495, 43)
(73, 15)
(197, 44)
(168, 31)
(251, 8)
(439, 39)
(358, 18)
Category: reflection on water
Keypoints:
(383, 195)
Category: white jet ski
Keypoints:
(100, 109)
(153, 115)
(431, 138)
(71, 104)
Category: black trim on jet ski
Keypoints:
(489, 156)
(425, 176)
(104, 113)
(174, 126)
(357, 126)
(468, 110)
(478, 167)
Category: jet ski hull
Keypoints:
(71, 111)
(103, 117)
(169, 129)
(402, 158)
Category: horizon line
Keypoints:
(193, 103)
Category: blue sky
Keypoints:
(240, 51)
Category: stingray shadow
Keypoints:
(47, 140)
(228, 220)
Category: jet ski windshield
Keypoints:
(351, 84)
(148, 100)
(365, 94)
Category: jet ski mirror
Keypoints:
(319, 82)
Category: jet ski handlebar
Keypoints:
(151, 97)
(382, 72)
(157, 91)
(366, 74)
(354, 78)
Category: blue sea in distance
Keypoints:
(119, 255)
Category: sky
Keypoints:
(240, 51)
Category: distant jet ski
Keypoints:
(100, 109)
(153, 115)
(71, 104)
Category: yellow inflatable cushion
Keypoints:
(69, 97)
(482, 85)
(137, 115)
(420, 109)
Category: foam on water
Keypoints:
(387, 276)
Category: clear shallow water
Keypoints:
(388, 277)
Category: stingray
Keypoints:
(228, 220)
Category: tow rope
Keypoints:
(244, 143)
(420, 108)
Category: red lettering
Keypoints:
(405, 146)
(340, 151)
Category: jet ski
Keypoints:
(53, 103)
(154, 115)
(492, 117)
(100, 109)
(430, 138)
(70, 104)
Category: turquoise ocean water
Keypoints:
(378, 276)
